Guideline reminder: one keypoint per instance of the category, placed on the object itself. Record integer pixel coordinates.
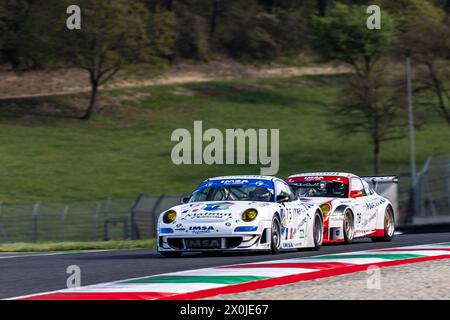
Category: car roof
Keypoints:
(268, 178)
(330, 174)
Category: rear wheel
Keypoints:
(349, 227)
(170, 254)
(318, 231)
(389, 227)
(275, 243)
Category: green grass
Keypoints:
(71, 246)
(125, 149)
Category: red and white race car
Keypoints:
(351, 207)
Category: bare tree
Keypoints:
(365, 104)
(427, 40)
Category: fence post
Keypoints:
(448, 188)
(1, 229)
(132, 217)
(106, 220)
(154, 212)
(34, 221)
(63, 220)
(96, 213)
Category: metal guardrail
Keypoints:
(431, 204)
(117, 219)
(109, 219)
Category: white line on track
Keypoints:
(25, 255)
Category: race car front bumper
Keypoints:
(216, 242)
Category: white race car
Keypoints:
(351, 207)
(238, 213)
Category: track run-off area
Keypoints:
(143, 274)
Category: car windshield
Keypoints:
(329, 189)
(221, 191)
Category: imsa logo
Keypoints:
(203, 243)
(201, 229)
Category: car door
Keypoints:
(294, 216)
(370, 204)
(358, 195)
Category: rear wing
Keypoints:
(385, 186)
(380, 179)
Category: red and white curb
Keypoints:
(209, 282)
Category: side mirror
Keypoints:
(185, 200)
(283, 198)
(356, 194)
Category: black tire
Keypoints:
(317, 227)
(275, 235)
(170, 254)
(389, 226)
(318, 231)
(348, 227)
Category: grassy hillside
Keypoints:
(126, 149)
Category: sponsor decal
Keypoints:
(201, 229)
(311, 178)
(301, 234)
(203, 243)
(365, 223)
(218, 206)
(206, 215)
(302, 222)
(237, 181)
(247, 181)
(358, 218)
(179, 227)
(371, 204)
(287, 245)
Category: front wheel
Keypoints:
(275, 243)
(389, 227)
(349, 227)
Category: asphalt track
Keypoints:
(29, 273)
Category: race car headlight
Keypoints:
(326, 208)
(249, 215)
(169, 216)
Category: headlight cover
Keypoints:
(169, 216)
(326, 208)
(249, 215)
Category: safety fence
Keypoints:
(428, 201)
(109, 219)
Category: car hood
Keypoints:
(215, 211)
(316, 200)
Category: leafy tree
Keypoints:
(24, 33)
(365, 104)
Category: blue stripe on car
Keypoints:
(245, 229)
